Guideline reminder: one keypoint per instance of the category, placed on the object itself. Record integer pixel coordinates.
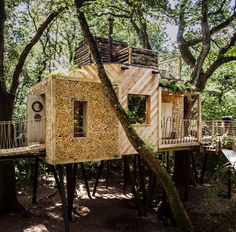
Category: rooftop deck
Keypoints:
(168, 65)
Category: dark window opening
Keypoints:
(139, 109)
(80, 118)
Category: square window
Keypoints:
(139, 108)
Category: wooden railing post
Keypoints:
(199, 120)
(159, 117)
(180, 66)
(212, 129)
(130, 55)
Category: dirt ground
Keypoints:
(112, 211)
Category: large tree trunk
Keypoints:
(8, 198)
(182, 168)
(182, 172)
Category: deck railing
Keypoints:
(169, 65)
(179, 131)
(14, 133)
(217, 128)
(137, 56)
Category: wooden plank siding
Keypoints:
(134, 80)
(137, 80)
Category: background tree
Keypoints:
(12, 61)
(219, 96)
(206, 40)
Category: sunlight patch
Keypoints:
(36, 228)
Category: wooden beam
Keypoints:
(159, 116)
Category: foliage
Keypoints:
(137, 108)
(177, 87)
(219, 97)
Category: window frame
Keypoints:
(147, 107)
(85, 119)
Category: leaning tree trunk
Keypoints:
(8, 198)
(179, 213)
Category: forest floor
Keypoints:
(112, 211)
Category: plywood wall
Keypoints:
(142, 81)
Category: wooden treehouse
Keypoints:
(70, 120)
(80, 124)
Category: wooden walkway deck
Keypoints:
(231, 156)
(23, 152)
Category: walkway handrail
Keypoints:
(14, 133)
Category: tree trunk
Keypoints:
(6, 105)
(182, 172)
(182, 168)
(8, 198)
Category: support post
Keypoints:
(204, 169)
(142, 182)
(85, 180)
(71, 173)
(229, 192)
(151, 187)
(58, 175)
(35, 170)
(98, 176)
(137, 201)
(194, 167)
(125, 175)
(107, 173)
(168, 161)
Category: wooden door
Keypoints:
(36, 119)
(166, 119)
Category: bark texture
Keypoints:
(179, 213)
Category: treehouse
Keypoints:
(77, 123)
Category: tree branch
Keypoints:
(112, 14)
(28, 48)
(231, 43)
(184, 50)
(206, 43)
(218, 11)
(201, 83)
(214, 30)
(2, 24)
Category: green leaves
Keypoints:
(177, 87)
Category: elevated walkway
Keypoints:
(13, 140)
(23, 152)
